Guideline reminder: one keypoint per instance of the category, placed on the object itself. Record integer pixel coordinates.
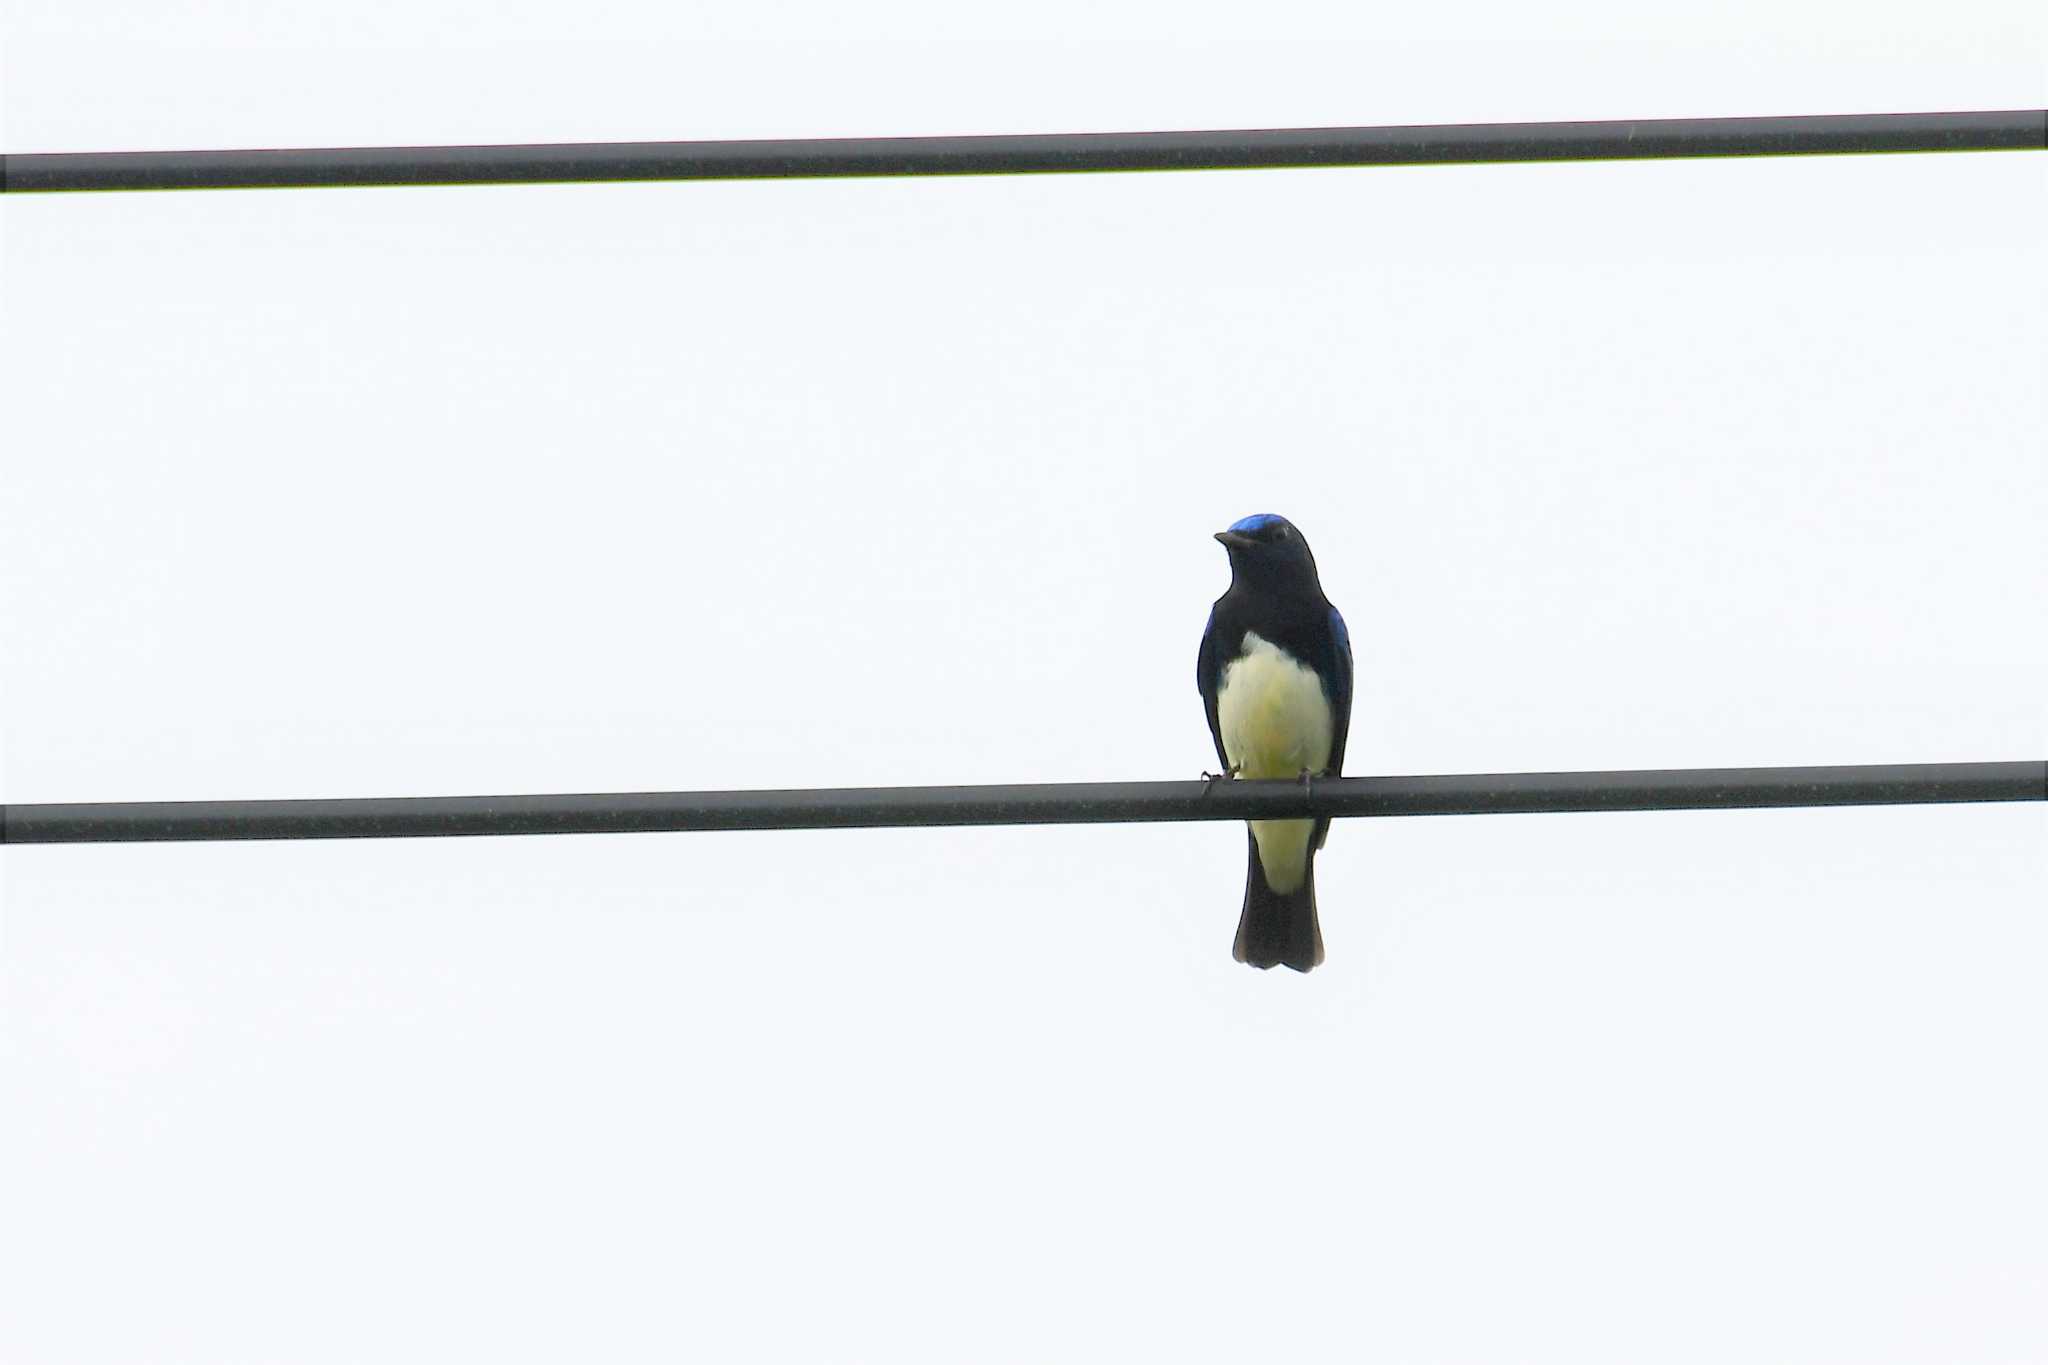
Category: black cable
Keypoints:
(1051, 804)
(1433, 144)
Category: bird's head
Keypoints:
(1266, 549)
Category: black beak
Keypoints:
(1232, 540)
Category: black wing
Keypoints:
(1338, 682)
(1340, 691)
(1208, 678)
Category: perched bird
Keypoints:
(1275, 675)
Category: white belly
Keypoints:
(1275, 722)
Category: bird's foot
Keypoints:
(1209, 779)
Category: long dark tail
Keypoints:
(1277, 930)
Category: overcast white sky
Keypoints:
(695, 486)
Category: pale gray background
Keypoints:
(664, 486)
